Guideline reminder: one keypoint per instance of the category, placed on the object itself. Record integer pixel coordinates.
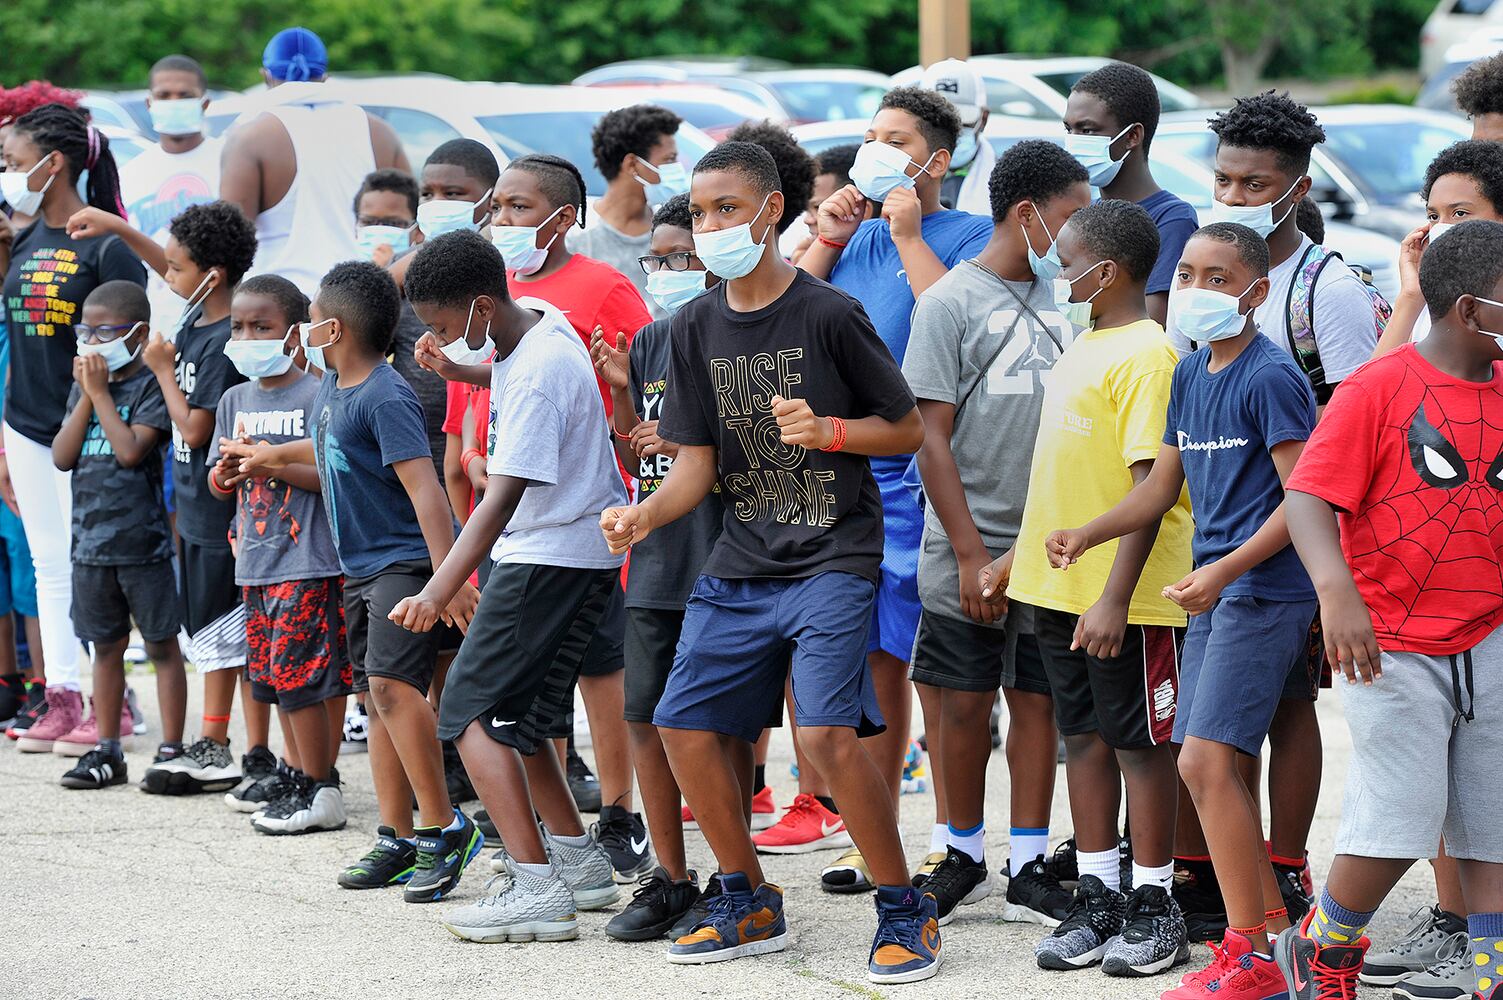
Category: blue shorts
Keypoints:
(18, 577)
(1236, 661)
(896, 614)
(733, 655)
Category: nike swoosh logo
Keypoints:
(1299, 983)
(753, 928)
(931, 941)
(637, 845)
(825, 829)
(498, 723)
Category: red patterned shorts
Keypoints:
(296, 643)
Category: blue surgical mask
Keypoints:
(732, 253)
(1046, 267)
(368, 238)
(672, 289)
(315, 355)
(1077, 313)
(115, 352)
(519, 245)
(1204, 314)
(1095, 154)
(257, 358)
(1258, 218)
(183, 117)
(966, 148)
(673, 180)
(441, 216)
(881, 169)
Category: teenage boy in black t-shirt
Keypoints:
(755, 362)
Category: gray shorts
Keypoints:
(1420, 767)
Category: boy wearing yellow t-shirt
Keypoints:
(1108, 637)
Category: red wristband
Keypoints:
(832, 244)
(837, 442)
(464, 459)
(214, 482)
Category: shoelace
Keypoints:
(1063, 861)
(720, 909)
(803, 804)
(1141, 910)
(1424, 927)
(1334, 984)
(614, 832)
(1221, 964)
(1078, 916)
(650, 889)
(902, 928)
(1455, 955)
(946, 877)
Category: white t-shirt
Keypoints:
(156, 186)
(1344, 331)
(548, 426)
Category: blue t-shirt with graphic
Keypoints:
(358, 434)
(1224, 425)
(871, 270)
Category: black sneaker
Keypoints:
(624, 837)
(699, 910)
(958, 881)
(34, 707)
(455, 776)
(442, 857)
(262, 781)
(1035, 896)
(486, 827)
(1080, 940)
(205, 766)
(1064, 865)
(658, 904)
(96, 769)
(1153, 935)
(390, 862)
(1292, 888)
(583, 784)
(1199, 897)
(1124, 863)
(12, 698)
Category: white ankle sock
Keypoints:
(971, 841)
(939, 838)
(541, 871)
(1162, 876)
(583, 840)
(1105, 865)
(1024, 845)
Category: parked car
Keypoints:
(1454, 22)
(1436, 94)
(127, 108)
(710, 108)
(794, 94)
(1039, 86)
(1369, 170)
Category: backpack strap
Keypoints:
(1299, 317)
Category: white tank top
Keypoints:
(313, 227)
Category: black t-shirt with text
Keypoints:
(789, 512)
(50, 275)
(119, 518)
(203, 373)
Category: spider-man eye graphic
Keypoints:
(1495, 473)
(1435, 459)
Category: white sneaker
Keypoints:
(585, 870)
(205, 766)
(308, 809)
(528, 907)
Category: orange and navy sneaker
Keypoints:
(906, 948)
(739, 923)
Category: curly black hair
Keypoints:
(1469, 261)
(1121, 231)
(1035, 170)
(1479, 88)
(365, 300)
(837, 160)
(939, 122)
(795, 167)
(178, 64)
(1309, 220)
(558, 179)
(1251, 248)
(470, 156)
(83, 147)
(674, 212)
(633, 130)
(1275, 121)
(1478, 159)
(748, 159)
(1128, 92)
(216, 234)
(453, 269)
(125, 300)
(393, 180)
(288, 297)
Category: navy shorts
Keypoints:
(895, 612)
(1237, 659)
(732, 656)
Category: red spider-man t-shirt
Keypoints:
(1413, 460)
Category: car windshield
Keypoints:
(700, 114)
(827, 100)
(567, 134)
(1170, 98)
(1390, 157)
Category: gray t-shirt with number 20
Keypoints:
(959, 324)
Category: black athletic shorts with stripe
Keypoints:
(517, 667)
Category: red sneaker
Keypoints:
(763, 812)
(806, 826)
(1236, 973)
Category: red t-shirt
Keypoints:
(460, 395)
(590, 294)
(1412, 458)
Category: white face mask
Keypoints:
(441, 216)
(115, 353)
(16, 187)
(192, 306)
(459, 350)
(1497, 337)
(519, 245)
(1258, 218)
(1437, 230)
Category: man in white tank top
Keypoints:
(295, 168)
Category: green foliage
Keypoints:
(112, 43)
(1386, 92)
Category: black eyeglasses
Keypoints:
(103, 333)
(678, 261)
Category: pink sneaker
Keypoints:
(85, 736)
(64, 712)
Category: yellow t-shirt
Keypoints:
(1105, 403)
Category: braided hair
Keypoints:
(85, 149)
(558, 179)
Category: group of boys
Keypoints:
(939, 449)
